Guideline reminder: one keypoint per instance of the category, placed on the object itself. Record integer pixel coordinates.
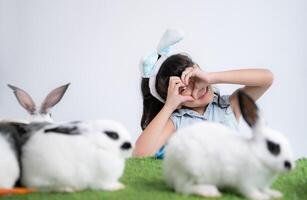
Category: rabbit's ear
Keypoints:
(24, 99)
(53, 98)
(249, 109)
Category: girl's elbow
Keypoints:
(269, 77)
(140, 152)
(137, 153)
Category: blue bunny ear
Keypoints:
(148, 63)
(170, 37)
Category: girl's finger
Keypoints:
(188, 76)
(185, 72)
(195, 93)
(173, 81)
(173, 78)
(187, 98)
(177, 86)
(183, 75)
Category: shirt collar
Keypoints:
(192, 113)
(189, 112)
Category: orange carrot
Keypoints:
(13, 191)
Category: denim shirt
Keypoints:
(213, 113)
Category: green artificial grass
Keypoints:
(143, 179)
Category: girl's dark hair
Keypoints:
(172, 66)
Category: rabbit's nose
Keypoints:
(287, 165)
(126, 146)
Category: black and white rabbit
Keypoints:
(11, 135)
(74, 156)
(41, 114)
(206, 156)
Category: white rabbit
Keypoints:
(41, 114)
(204, 157)
(10, 137)
(75, 156)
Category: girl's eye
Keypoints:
(182, 90)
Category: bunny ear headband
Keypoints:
(151, 63)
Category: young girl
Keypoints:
(176, 93)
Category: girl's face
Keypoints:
(202, 96)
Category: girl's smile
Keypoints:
(202, 98)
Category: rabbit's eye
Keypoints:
(273, 148)
(113, 135)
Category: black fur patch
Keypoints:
(273, 147)
(249, 109)
(67, 130)
(15, 133)
(126, 146)
(287, 165)
(113, 135)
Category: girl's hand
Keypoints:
(174, 98)
(199, 78)
(195, 73)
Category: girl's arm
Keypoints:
(155, 134)
(161, 127)
(256, 82)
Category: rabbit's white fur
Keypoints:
(205, 156)
(40, 118)
(89, 160)
(9, 167)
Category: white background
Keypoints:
(97, 45)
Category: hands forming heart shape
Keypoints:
(197, 79)
(192, 85)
